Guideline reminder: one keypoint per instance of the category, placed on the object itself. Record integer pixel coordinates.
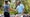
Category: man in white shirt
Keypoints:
(20, 7)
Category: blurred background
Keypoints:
(13, 5)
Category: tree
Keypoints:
(25, 5)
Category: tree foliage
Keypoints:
(26, 5)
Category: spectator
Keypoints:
(25, 15)
(29, 15)
(20, 7)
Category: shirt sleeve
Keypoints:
(17, 7)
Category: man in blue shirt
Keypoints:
(6, 11)
(20, 7)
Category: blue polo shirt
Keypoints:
(6, 7)
(20, 8)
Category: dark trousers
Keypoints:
(6, 14)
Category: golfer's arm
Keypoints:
(12, 9)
